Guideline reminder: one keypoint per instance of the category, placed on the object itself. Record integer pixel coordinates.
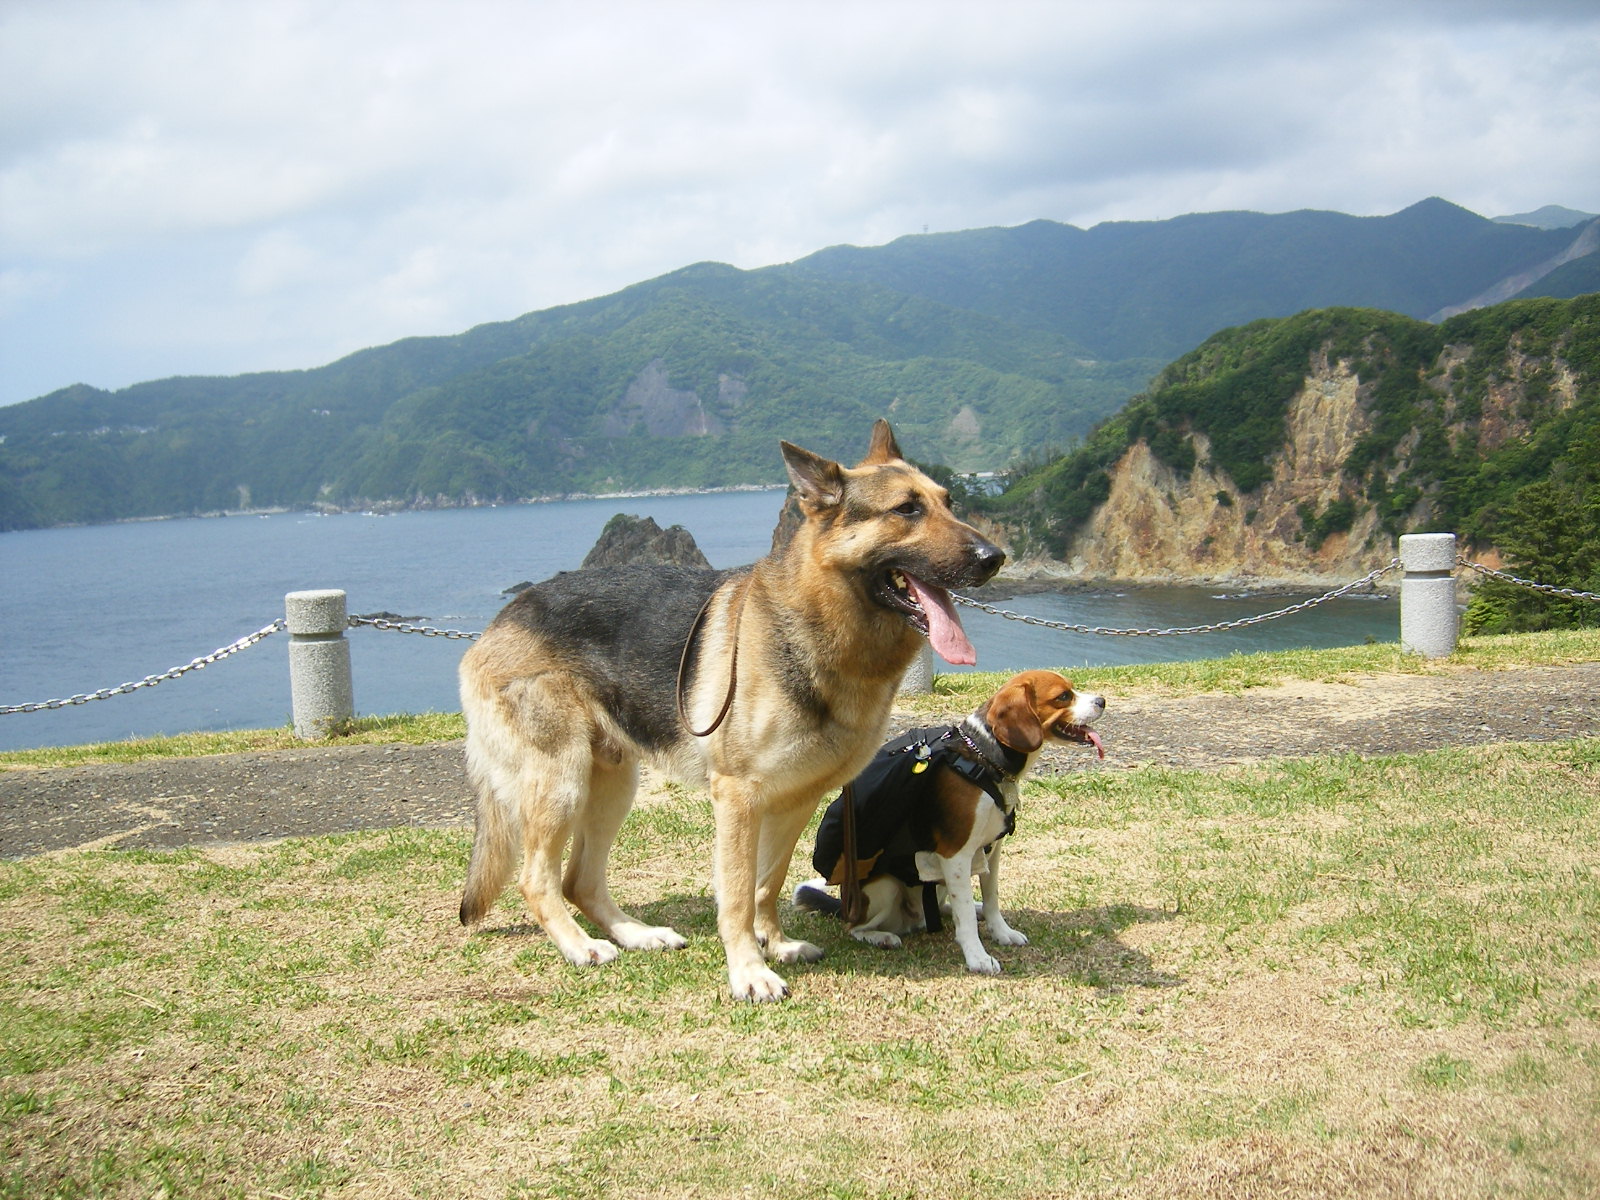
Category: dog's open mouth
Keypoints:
(931, 612)
(1082, 734)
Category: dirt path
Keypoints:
(251, 797)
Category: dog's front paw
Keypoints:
(756, 984)
(590, 952)
(983, 964)
(649, 937)
(1004, 935)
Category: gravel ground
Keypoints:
(252, 797)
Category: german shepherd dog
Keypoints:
(784, 673)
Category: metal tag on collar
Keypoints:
(923, 753)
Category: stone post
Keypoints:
(1428, 617)
(319, 662)
(918, 679)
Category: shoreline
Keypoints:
(1033, 577)
(1004, 588)
(385, 508)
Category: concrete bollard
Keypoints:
(918, 679)
(319, 662)
(1428, 618)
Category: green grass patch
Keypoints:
(1342, 664)
(1217, 958)
(1320, 976)
(402, 728)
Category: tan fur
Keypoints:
(814, 661)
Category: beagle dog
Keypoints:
(931, 810)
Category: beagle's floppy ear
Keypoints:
(820, 481)
(884, 448)
(1013, 720)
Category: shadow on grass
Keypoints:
(693, 916)
(1083, 945)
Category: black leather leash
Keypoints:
(733, 665)
(852, 900)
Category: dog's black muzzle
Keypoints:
(987, 559)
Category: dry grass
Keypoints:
(1333, 977)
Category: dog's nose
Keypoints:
(989, 559)
(1099, 703)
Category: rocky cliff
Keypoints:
(1379, 430)
(1161, 526)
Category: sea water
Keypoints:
(92, 607)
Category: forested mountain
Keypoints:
(1571, 279)
(1302, 447)
(1159, 288)
(1551, 216)
(685, 381)
(981, 346)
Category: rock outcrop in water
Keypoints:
(629, 539)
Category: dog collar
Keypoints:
(988, 750)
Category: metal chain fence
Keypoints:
(404, 627)
(1548, 589)
(1365, 581)
(280, 624)
(206, 660)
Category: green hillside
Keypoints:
(1571, 279)
(685, 381)
(984, 347)
(1466, 417)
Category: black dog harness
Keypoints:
(892, 800)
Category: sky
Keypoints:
(201, 188)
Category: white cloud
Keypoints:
(191, 187)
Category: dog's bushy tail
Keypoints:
(495, 844)
(813, 896)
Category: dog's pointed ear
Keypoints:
(820, 481)
(884, 448)
(1013, 720)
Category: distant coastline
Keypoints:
(1031, 577)
(390, 507)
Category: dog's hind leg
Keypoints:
(611, 790)
(524, 807)
(780, 830)
(887, 916)
(534, 735)
(554, 802)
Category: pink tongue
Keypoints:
(1094, 740)
(944, 626)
